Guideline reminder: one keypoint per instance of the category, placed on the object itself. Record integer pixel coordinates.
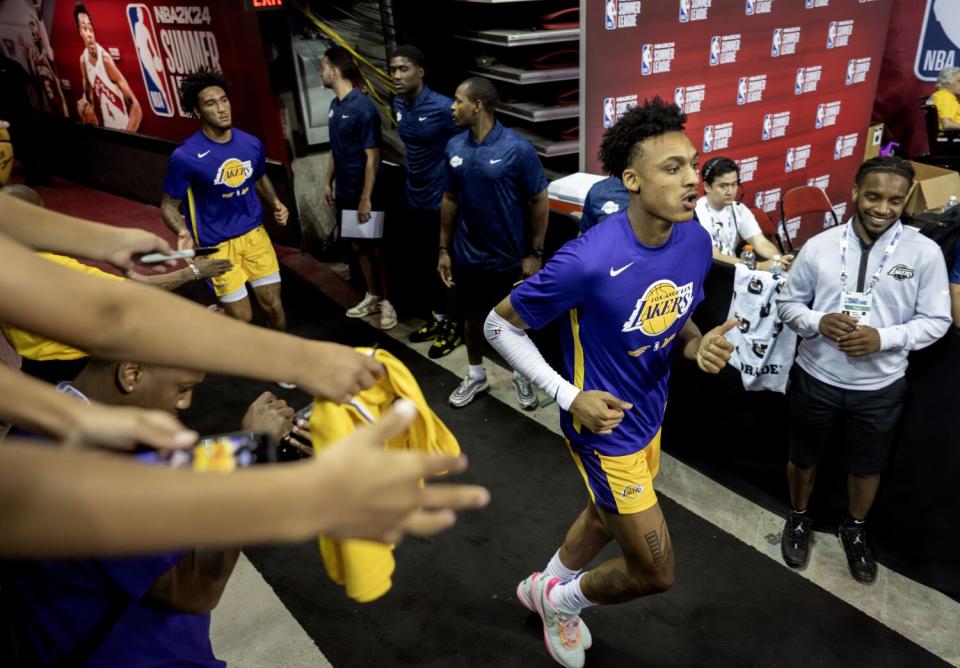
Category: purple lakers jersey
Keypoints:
(623, 304)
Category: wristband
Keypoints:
(536, 252)
(196, 272)
(442, 248)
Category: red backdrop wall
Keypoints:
(786, 87)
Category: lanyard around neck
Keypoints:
(887, 252)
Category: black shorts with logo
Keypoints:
(862, 422)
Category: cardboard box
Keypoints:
(932, 188)
(874, 141)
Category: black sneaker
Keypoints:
(863, 565)
(446, 342)
(428, 332)
(795, 542)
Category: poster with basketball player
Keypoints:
(24, 38)
(121, 64)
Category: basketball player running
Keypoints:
(107, 99)
(625, 290)
(220, 172)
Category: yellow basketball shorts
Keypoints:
(254, 262)
(621, 484)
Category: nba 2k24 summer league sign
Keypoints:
(121, 64)
(784, 87)
(939, 45)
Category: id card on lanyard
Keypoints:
(858, 305)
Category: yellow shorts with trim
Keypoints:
(621, 484)
(253, 258)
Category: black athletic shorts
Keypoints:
(479, 290)
(863, 421)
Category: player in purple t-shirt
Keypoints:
(218, 175)
(625, 290)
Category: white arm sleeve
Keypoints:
(522, 354)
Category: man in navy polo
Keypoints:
(355, 138)
(493, 221)
(425, 126)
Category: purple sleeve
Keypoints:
(553, 290)
(136, 575)
(177, 180)
(260, 165)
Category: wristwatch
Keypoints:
(536, 252)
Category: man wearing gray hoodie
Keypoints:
(860, 296)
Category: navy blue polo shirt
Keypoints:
(425, 126)
(604, 198)
(354, 127)
(494, 182)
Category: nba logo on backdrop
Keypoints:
(748, 10)
(742, 90)
(707, 138)
(678, 97)
(610, 18)
(777, 40)
(820, 113)
(798, 85)
(851, 69)
(646, 60)
(684, 11)
(609, 112)
(151, 62)
(939, 45)
(714, 50)
(838, 148)
(831, 34)
(767, 126)
(788, 167)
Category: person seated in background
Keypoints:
(945, 98)
(53, 361)
(728, 221)
(151, 610)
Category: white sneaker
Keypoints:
(468, 390)
(526, 394)
(561, 628)
(388, 315)
(525, 596)
(368, 306)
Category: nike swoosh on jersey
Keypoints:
(421, 118)
(344, 115)
(617, 272)
(202, 155)
(493, 162)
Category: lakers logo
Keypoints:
(233, 173)
(659, 307)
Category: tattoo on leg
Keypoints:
(659, 543)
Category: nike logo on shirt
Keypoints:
(616, 272)
(421, 118)
(344, 115)
(201, 155)
(493, 162)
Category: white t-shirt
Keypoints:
(728, 226)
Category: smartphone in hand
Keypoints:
(219, 453)
(151, 258)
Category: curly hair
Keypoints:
(888, 165)
(192, 84)
(621, 143)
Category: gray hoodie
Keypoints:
(911, 304)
